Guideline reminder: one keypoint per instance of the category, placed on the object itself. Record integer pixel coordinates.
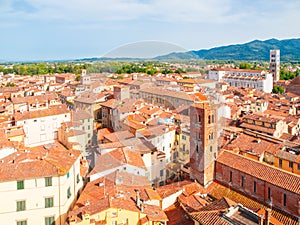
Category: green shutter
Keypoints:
(49, 202)
(20, 184)
(69, 192)
(21, 206)
(49, 220)
(48, 181)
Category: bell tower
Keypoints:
(203, 141)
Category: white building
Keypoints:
(154, 160)
(161, 136)
(256, 79)
(39, 185)
(275, 64)
(41, 126)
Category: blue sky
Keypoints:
(68, 29)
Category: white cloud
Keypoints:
(199, 11)
(191, 11)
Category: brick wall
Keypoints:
(233, 178)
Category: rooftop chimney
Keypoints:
(138, 198)
(142, 206)
(268, 216)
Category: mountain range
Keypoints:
(256, 50)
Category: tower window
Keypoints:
(198, 118)
(254, 186)
(269, 193)
(230, 178)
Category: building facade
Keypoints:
(257, 79)
(41, 126)
(40, 188)
(275, 64)
(203, 142)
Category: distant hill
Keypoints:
(254, 50)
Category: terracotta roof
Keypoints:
(102, 132)
(139, 145)
(280, 178)
(167, 190)
(266, 130)
(287, 156)
(26, 164)
(52, 110)
(81, 115)
(111, 103)
(116, 158)
(177, 216)
(34, 99)
(118, 136)
(168, 93)
(254, 145)
(217, 190)
(155, 213)
(115, 184)
(158, 130)
(209, 218)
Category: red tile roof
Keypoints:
(52, 110)
(177, 216)
(217, 190)
(272, 175)
(54, 159)
(116, 158)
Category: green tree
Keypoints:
(9, 84)
(179, 71)
(78, 77)
(278, 89)
(287, 75)
(245, 65)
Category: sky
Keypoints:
(71, 29)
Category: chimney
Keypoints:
(260, 219)
(142, 206)
(268, 216)
(138, 198)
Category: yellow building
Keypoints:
(288, 161)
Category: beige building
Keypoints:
(38, 185)
(41, 126)
(264, 123)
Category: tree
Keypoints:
(78, 77)
(9, 84)
(278, 89)
(287, 75)
(179, 71)
(245, 65)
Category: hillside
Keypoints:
(254, 50)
